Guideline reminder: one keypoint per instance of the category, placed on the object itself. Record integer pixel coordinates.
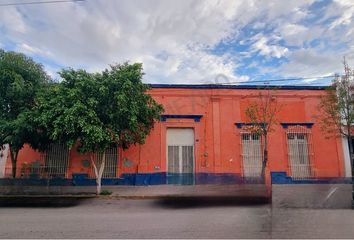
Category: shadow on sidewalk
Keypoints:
(215, 201)
(42, 201)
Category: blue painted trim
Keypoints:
(137, 179)
(196, 118)
(282, 178)
(240, 124)
(221, 86)
(145, 179)
(286, 125)
(224, 178)
(35, 182)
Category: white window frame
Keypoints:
(253, 169)
(300, 163)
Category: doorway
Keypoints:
(180, 156)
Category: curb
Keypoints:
(236, 199)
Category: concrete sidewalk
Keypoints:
(152, 191)
(283, 195)
(203, 191)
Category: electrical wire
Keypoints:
(287, 79)
(39, 2)
(267, 82)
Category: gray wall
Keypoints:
(312, 195)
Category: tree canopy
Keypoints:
(336, 109)
(337, 105)
(20, 81)
(98, 110)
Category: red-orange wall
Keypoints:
(217, 140)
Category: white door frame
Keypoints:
(178, 143)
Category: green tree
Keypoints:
(98, 111)
(20, 80)
(336, 110)
(262, 116)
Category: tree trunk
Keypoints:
(99, 172)
(265, 157)
(350, 139)
(351, 154)
(98, 186)
(3, 159)
(13, 155)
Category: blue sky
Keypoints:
(188, 41)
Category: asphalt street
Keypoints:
(105, 218)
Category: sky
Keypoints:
(190, 42)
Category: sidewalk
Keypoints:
(232, 190)
(151, 191)
(283, 195)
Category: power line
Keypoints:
(267, 81)
(272, 80)
(39, 2)
(278, 80)
(284, 79)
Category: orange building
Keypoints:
(201, 139)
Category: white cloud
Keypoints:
(309, 63)
(27, 49)
(12, 21)
(174, 39)
(96, 33)
(294, 34)
(334, 35)
(345, 13)
(264, 46)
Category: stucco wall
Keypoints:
(217, 140)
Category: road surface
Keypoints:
(97, 218)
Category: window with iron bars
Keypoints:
(300, 153)
(252, 154)
(111, 163)
(56, 161)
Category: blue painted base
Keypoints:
(35, 182)
(140, 179)
(144, 179)
(224, 178)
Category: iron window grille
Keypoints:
(251, 153)
(300, 151)
(111, 164)
(56, 162)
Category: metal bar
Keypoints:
(299, 141)
(251, 147)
